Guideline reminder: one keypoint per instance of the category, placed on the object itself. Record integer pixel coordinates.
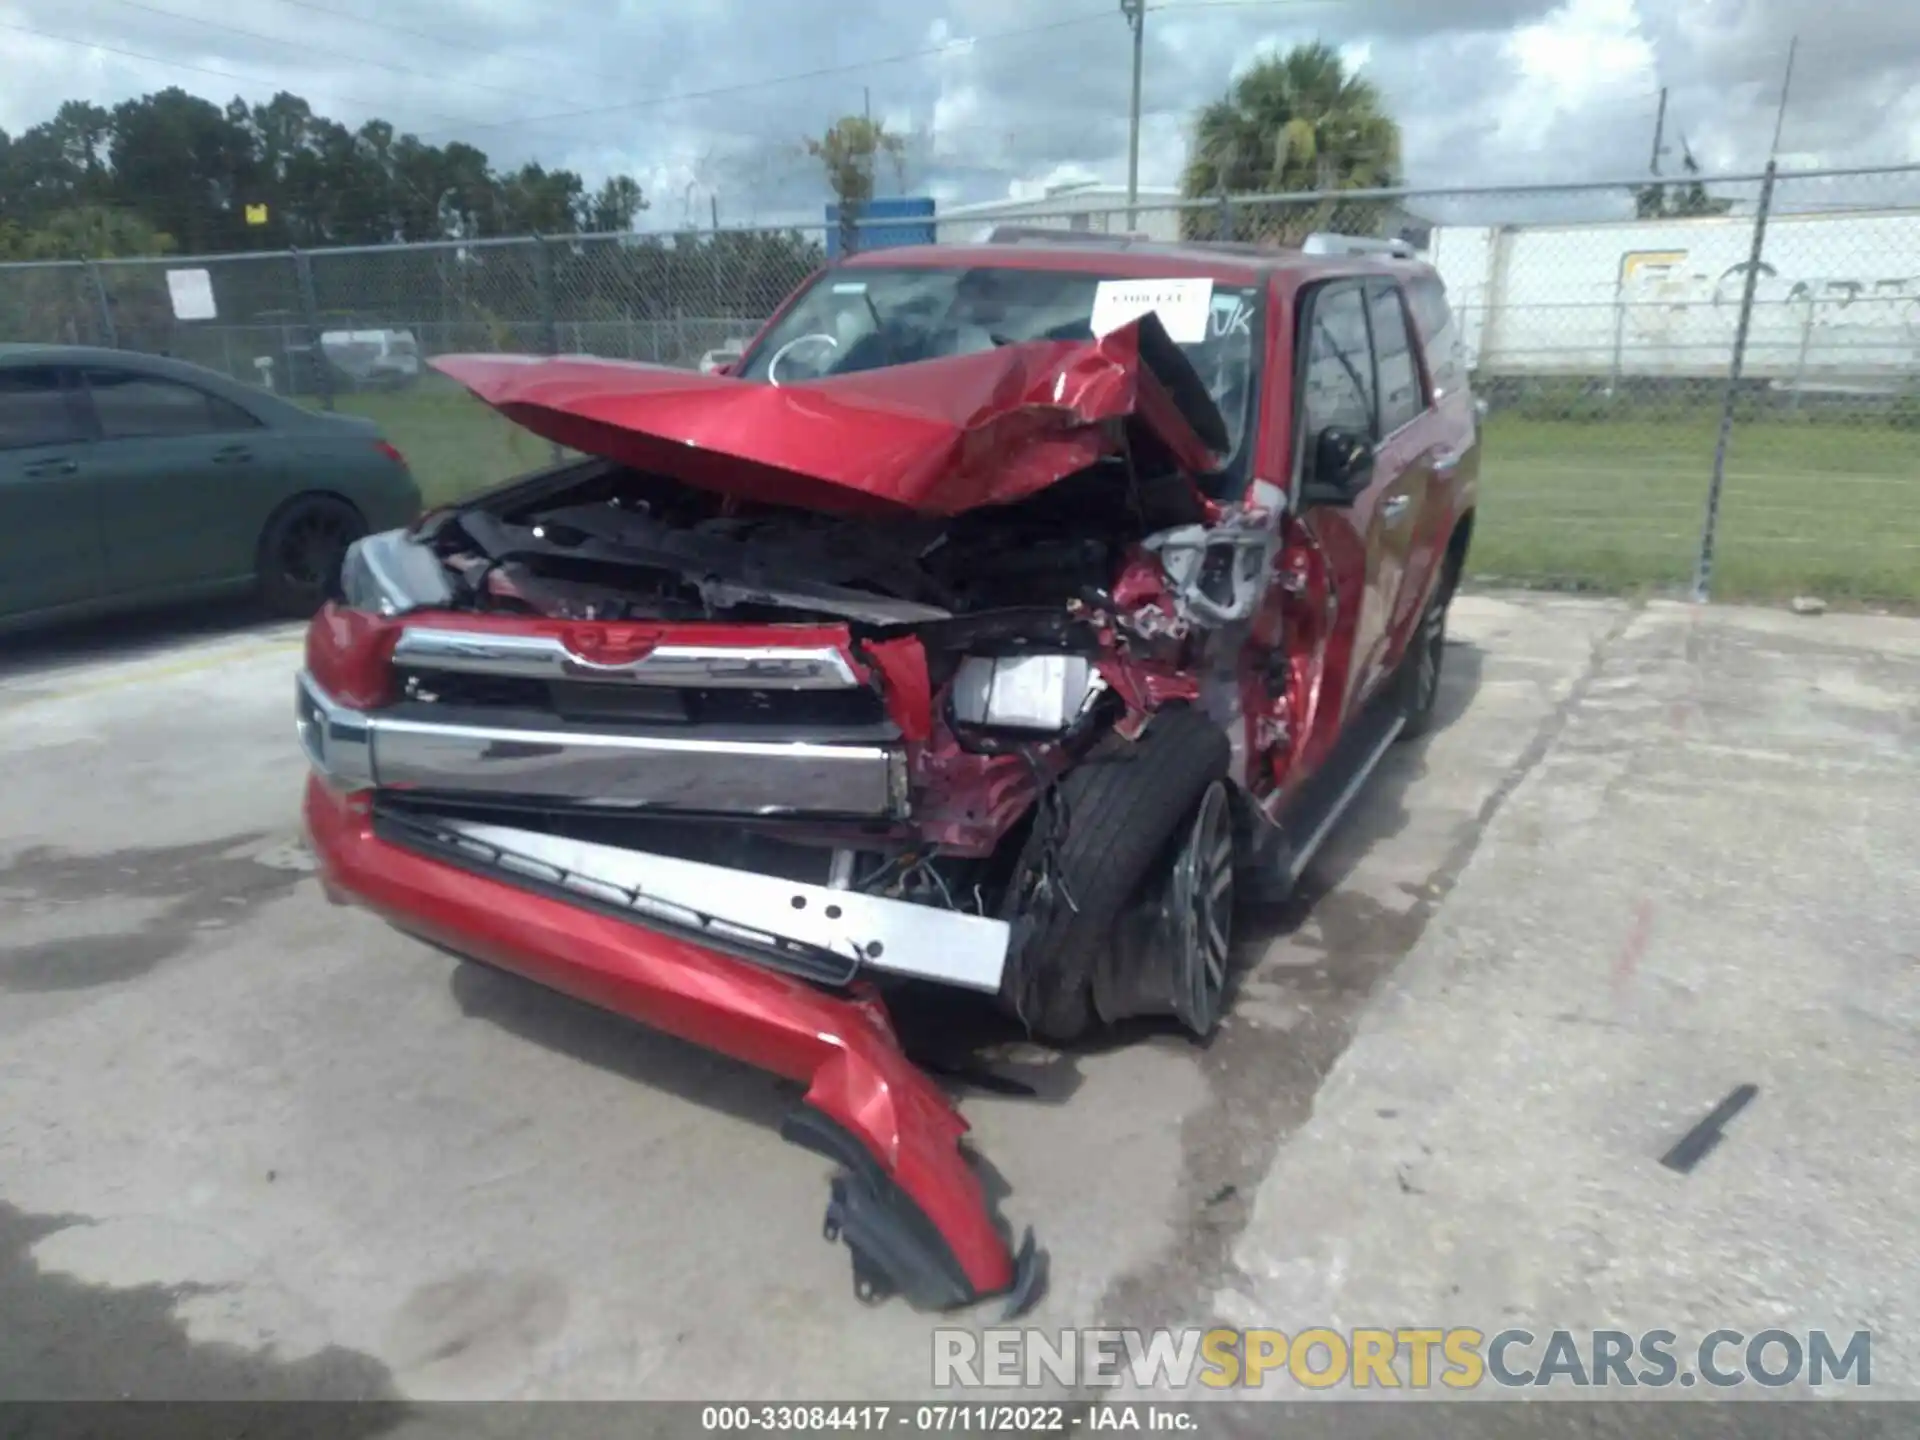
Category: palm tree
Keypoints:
(1294, 122)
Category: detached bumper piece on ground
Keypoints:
(909, 1205)
(972, 660)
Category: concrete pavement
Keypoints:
(251, 1144)
(1707, 880)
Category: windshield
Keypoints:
(863, 319)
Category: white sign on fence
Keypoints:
(192, 294)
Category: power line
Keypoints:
(451, 41)
(795, 76)
(209, 70)
(358, 59)
(1171, 6)
(468, 124)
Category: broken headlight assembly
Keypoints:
(389, 574)
(1217, 573)
(1031, 693)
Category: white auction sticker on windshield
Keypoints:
(1181, 305)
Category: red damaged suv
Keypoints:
(998, 616)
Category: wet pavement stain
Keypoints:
(66, 1340)
(204, 887)
(81, 962)
(483, 1322)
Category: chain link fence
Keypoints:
(1709, 383)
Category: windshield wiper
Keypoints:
(879, 329)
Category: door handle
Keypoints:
(61, 466)
(232, 455)
(1445, 467)
(1395, 508)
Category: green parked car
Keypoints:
(128, 480)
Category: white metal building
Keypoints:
(1090, 205)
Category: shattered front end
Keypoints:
(644, 731)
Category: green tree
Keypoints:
(191, 169)
(612, 207)
(181, 162)
(536, 201)
(85, 232)
(850, 152)
(1293, 123)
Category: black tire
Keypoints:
(1419, 677)
(298, 563)
(1122, 808)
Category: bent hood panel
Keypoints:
(938, 437)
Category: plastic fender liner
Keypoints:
(897, 1246)
(899, 1126)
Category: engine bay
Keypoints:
(601, 541)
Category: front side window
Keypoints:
(1439, 334)
(1339, 370)
(35, 409)
(863, 319)
(131, 406)
(1399, 377)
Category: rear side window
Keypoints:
(34, 410)
(1439, 334)
(132, 407)
(1339, 373)
(1400, 399)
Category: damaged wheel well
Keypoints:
(1457, 543)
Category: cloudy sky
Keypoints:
(710, 99)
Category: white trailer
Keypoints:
(1836, 304)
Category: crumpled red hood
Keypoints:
(937, 437)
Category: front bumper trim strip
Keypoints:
(896, 936)
(600, 769)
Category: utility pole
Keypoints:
(873, 156)
(1786, 86)
(1136, 14)
(1659, 131)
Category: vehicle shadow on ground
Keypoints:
(966, 1041)
(1360, 937)
(133, 636)
(623, 1047)
(969, 1039)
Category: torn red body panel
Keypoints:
(937, 438)
(866, 1105)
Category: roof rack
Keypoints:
(1121, 240)
(1325, 242)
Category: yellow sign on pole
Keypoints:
(256, 214)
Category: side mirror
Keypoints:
(1342, 467)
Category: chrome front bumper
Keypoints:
(739, 908)
(610, 770)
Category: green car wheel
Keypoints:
(301, 551)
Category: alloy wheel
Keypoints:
(1432, 644)
(1202, 905)
(312, 548)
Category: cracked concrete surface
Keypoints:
(1646, 854)
(1706, 880)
